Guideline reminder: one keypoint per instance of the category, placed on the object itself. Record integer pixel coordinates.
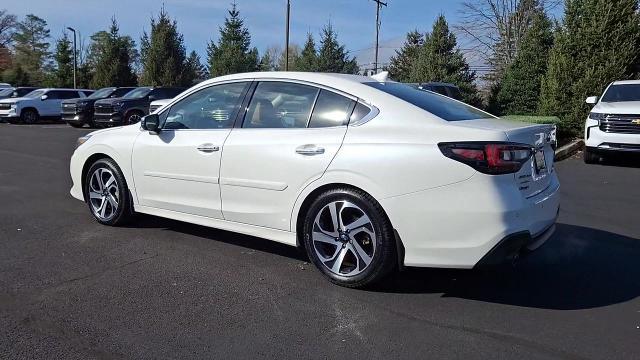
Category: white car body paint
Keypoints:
(446, 213)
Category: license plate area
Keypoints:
(539, 161)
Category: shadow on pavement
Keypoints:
(578, 268)
(621, 159)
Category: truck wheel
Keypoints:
(590, 157)
(133, 117)
(29, 116)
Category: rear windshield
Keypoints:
(619, 93)
(438, 105)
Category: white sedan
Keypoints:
(365, 174)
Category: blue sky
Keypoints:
(199, 20)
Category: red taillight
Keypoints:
(489, 158)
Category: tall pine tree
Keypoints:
(440, 59)
(520, 90)
(308, 60)
(596, 44)
(31, 47)
(113, 58)
(62, 75)
(404, 59)
(163, 54)
(233, 52)
(332, 56)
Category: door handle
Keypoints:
(208, 148)
(309, 150)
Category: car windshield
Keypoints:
(102, 93)
(622, 92)
(438, 105)
(35, 94)
(5, 92)
(137, 93)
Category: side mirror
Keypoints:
(592, 100)
(44, 97)
(153, 98)
(151, 123)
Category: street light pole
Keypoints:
(286, 47)
(75, 57)
(379, 4)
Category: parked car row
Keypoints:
(78, 107)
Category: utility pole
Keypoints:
(75, 57)
(379, 4)
(286, 46)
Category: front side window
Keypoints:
(330, 110)
(440, 106)
(280, 105)
(214, 107)
(622, 92)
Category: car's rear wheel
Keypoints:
(29, 116)
(349, 238)
(75, 125)
(590, 157)
(107, 194)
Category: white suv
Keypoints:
(38, 103)
(614, 122)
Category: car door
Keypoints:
(177, 169)
(290, 133)
(52, 104)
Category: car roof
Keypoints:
(63, 89)
(294, 75)
(626, 82)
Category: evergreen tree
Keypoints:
(308, 60)
(332, 56)
(31, 48)
(233, 52)
(163, 54)
(597, 44)
(519, 93)
(294, 56)
(404, 59)
(195, 69)
(113, 57)
(439, 59)
(62, 75)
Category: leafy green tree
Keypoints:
(31, 47)
(113, 57)
(62, 75)
(597, 43)
(403, 61)
(332, 56)
(440, 59)
(519, 93)
(163, 54)
(233, 52)
(16, 76)
(308, 60)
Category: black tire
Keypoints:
(29, 116)
(75, 125)
(383, 258)
(133, 117)
(590, 157)
(123, 211)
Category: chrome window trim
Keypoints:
(373, 112)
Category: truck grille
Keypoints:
(5, 106)
(104, 109)
(624, 124)
(69, 108)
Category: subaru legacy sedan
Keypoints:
(365, 174)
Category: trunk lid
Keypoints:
(535, 175)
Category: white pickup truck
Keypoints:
(37, 104)
(614, 122)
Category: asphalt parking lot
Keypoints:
(71, 288)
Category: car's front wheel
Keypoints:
(106, 193)
(349, 238)
(133, 117)
(29, 116)
(590, 157)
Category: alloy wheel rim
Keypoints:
(103, 194)
(344, 238)
(30, 117)
(135, 118)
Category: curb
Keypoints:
(569, 149)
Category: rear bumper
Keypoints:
(457, 225)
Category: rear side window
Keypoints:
(280, 105)
(440, 106)
(330, 110)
